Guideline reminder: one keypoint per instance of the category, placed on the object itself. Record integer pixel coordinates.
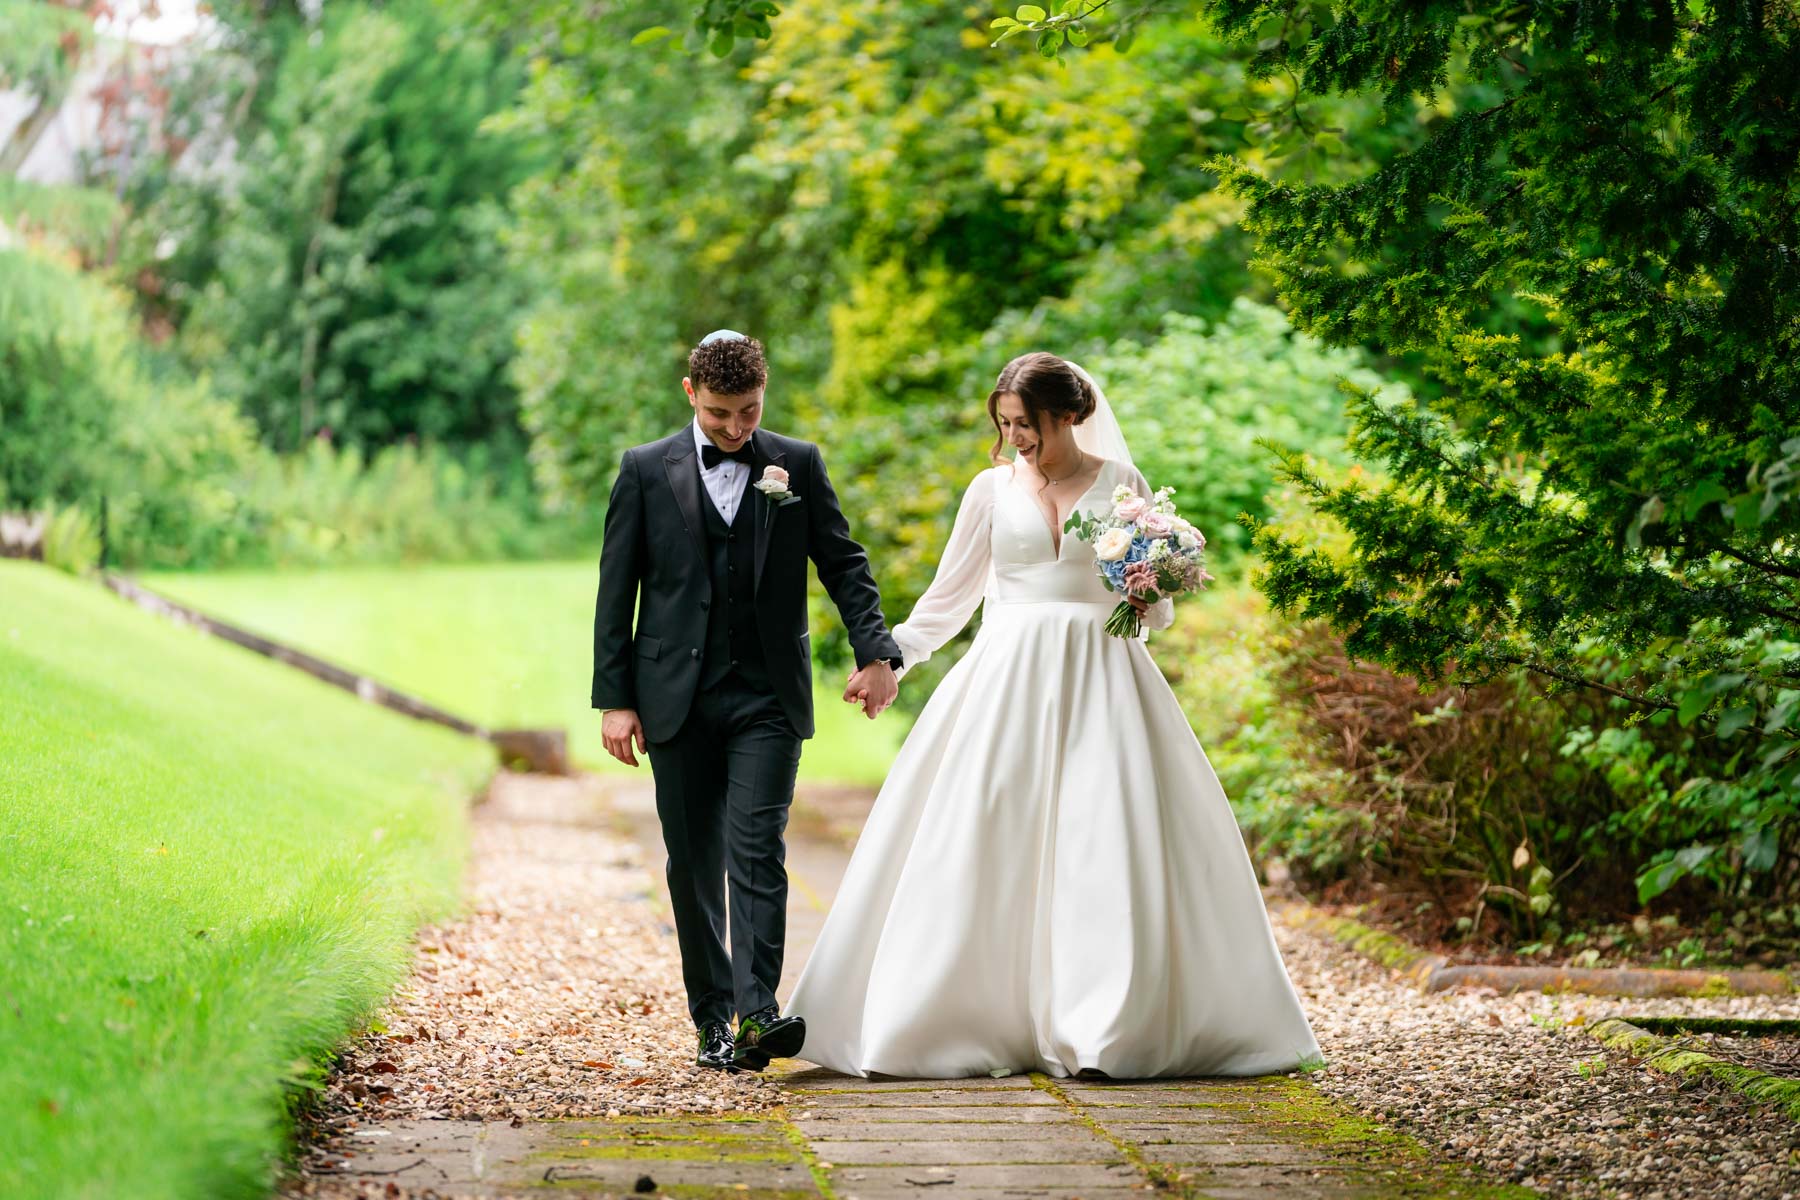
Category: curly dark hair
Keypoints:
(729, 366)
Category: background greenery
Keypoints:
(397, 286)
(1467, 334)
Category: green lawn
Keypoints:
(502, 644)
(211, 867)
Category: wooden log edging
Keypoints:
(1679, 1056)
(1435, 973)
(544, 751)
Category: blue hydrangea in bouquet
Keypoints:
(1142, 548)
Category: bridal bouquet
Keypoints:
(1142, 548)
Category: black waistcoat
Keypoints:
(732, 639)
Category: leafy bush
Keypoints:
(86, 411)
(1196, 403)
(326, 506)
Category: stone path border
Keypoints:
(1434, 973)
(1678, 1056)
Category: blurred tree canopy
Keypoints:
(897, 211)
(343, 268)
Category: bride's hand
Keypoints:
(1140, 603)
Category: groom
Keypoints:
(707, 537)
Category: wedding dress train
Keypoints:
(1051, 878)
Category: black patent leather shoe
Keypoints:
(765, 1034)
(717, 1049)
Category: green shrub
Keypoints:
(1196, 402)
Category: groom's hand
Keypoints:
(874, 686)
(618, 729)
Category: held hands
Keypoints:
(874, 687)
(618, 729)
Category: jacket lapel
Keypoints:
(766, 456)
(683, 467)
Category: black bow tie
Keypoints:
(711, 456)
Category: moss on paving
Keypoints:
(1371, 1153)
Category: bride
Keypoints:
(1051, 878)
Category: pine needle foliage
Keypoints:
(1612, 506)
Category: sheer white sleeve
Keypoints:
(1161, 615)
(961, 579)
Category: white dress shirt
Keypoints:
(725, 482)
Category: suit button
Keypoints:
(693, 654)
(731, 537)
(705, 604)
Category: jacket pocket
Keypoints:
(649, 647)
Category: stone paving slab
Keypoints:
(957, 1191)
(724, 1178)
(1161, 1132)
(824, 1134)
(922, 1181)
(1019, 1098)
(1217, 1154)
(1063, 1149)
(817, 1078)
(1016, 1115)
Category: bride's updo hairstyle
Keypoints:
(1047, 386)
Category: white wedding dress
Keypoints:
(1051, 878)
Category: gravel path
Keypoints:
(1515, 1084)
(558, 995)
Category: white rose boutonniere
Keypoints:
(774, 483)
(774, 486)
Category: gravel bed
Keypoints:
(558, 994)
(1515, 1085)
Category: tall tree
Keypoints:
(346, 269)
(1614, 508)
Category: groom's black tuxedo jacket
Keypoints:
(655, 554)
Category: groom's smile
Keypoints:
(727, 421)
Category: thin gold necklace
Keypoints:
(1080, 462)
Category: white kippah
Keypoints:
(719, 335)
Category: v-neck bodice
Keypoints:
(1028, 561)
(1056, 535)
(1001, 551)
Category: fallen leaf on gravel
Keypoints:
(597, 1064)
